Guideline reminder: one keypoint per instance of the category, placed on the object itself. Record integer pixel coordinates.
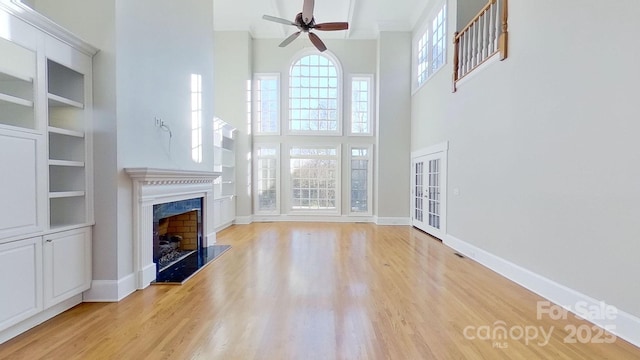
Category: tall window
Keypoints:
(423, 58)
(267, 103)
(314, 177)
(361, 173)
(267, 179)
(313, 96)
(430, 46)
(299, 166)
(438, 40)
(196, 118)
(361, 94)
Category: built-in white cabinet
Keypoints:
(224, 191)
(46, 140)
(21, 279)
(67, 264)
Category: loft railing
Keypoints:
(484, 36)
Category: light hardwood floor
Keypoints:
(317, 291)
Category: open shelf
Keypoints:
(58, 101)
(10, 75)
(60, 131)
(67, 146)
(65, 86)
(66, 178)
(67, 211)
(67, 153)
(16, 99)
(65, 194)
(67, 117)
(15, 87)
(14, 113)
(66, 163)
(224, 159)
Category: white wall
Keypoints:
(160, 45)
(543, 146)
(233, 69)
(394, 119)
(467, 9)
(149, 49)
(356, 56)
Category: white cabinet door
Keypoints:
(67, 265)
(224, 212)
(228, 210)
(21, 185)
(21, 280)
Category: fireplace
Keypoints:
(177, 233)
(152, 187)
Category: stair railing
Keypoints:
(485, 36)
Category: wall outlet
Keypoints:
(158, 121)
(456, 191)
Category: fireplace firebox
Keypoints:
(177, 232)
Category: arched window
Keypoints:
(314, 93)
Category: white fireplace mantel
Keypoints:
(158, 186)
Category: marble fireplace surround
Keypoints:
(158, 186)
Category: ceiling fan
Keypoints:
(305, 22)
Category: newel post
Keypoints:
(456, 59)
(504, 35)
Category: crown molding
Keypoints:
(22, 11)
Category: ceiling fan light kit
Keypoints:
(305, 22)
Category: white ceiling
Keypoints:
(366, 17)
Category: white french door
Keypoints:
(433, 193)
(429, 192)
(417, 193)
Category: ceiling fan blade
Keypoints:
(317, 42)
(307, 11)
(332, 26)
(288, 40)
(278, 20)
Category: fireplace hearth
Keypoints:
(178, 247)
(181, 271)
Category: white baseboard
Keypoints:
(110, 290)
(243, 220)
(39, 318)
(627, 326)
(313, 218)
(386, 221)
(147, 275)
(211, 239)
(329, 218)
